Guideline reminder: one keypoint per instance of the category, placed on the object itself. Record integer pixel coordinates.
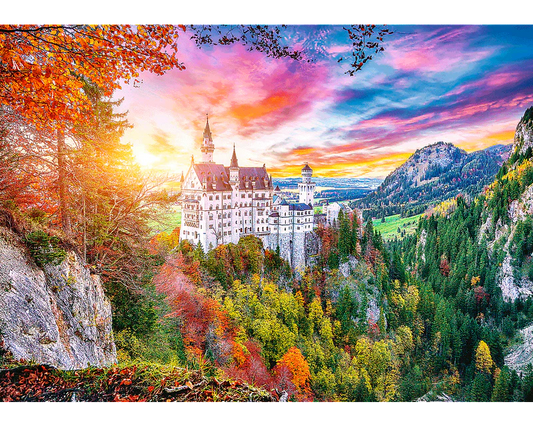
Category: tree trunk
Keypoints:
(63, 207)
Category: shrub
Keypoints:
(44, 248)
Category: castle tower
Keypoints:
(306, 188)
(233, 169)
(208, 147)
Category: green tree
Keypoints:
(481, 387)
(501, 391)
(345, 236)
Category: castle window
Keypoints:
(211, 198)
(217, 197)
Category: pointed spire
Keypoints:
(234, 162)
(181, 179)
(207, 130)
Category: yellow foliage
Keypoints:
(474, 281)
(483, 358)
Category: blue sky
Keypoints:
(468, 85)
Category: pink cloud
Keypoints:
(497, 79)
(246, 91)
(432, 52)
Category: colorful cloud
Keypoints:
(468, 85)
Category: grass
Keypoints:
(389, 228)
(170, 221)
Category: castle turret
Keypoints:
(208, 147)
(306, 188)
(234, 168)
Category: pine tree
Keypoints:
(345, 237)
(354, 234)
(500, 392)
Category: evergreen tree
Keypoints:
(500, 392)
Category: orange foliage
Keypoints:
(163, 242)
(206, 325)
(329, 239)
(252, 369)
(298, 367)
(44, 67)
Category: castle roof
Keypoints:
(307, 168)
(300, 206)
(219, 175)
(296, 206)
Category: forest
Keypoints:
(393, 328)
(367, 320)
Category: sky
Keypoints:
(468, 85)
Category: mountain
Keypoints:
(432, 174)
(523, 139)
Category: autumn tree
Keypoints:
(484, 361)
(47, 67)
(295, 362)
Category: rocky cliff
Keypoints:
(524, 133)
(56, 315)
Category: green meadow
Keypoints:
(394, 226)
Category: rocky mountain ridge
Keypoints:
(435, 173)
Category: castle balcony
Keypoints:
(192, 223)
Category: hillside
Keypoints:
(432, 174)
(476, 255)
(53, 310)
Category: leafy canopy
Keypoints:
(44, 68)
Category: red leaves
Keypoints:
(293, 369)
(444, 266)
(30, 384)
(37, 383)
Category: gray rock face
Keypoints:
(521, 355)
(523, 136)
(57, 315)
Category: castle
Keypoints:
(222, 204)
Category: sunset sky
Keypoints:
(467, 85)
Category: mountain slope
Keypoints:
(478, 253)
(432, 174)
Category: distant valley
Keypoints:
(332, 189)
